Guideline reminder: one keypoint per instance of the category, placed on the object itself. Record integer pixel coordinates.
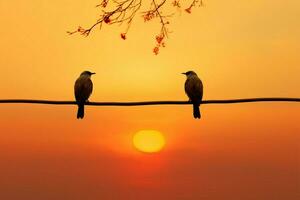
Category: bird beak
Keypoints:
(93, 73)
(183, 73)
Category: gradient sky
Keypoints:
(239, 49)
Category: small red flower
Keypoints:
(159, 38)
(148, 16)
(156, 50)
(123, 36)
(107, 20)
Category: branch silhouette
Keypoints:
(146, 103)
(123, 12)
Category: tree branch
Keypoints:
(124, 11)
(146, 103)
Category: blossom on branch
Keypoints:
(123, 36)
(124, 11)
(107, 20)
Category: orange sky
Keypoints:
(241, 151)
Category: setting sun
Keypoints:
(148, 141)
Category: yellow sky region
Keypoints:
(238, 48)
(243, 49)
(227, 43)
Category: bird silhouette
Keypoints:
(194, 89)
(83, 89)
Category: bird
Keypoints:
(83, 89)
(194, 89)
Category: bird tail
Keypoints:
(196, 111)
(80, 112)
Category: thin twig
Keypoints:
(146, 103)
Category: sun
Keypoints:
(148, 141)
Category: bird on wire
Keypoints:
(194, 89)
(83, 89)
